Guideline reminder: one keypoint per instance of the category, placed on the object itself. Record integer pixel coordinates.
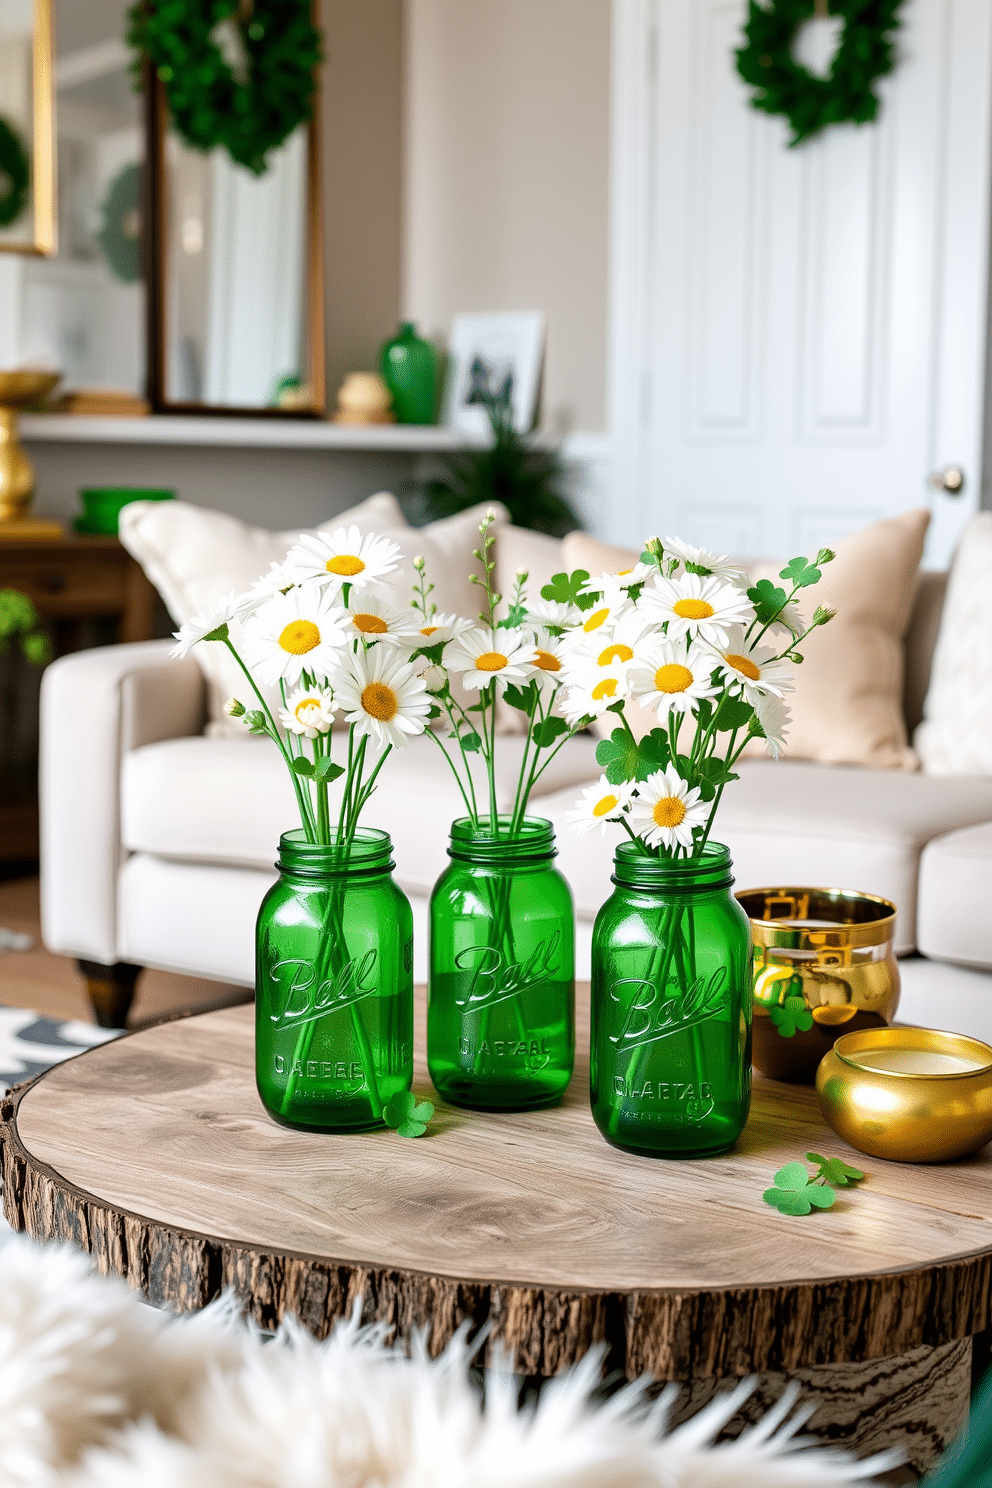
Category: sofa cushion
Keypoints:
(954, 923)
(955, 736)
(194, 556)
(848, 706)
(226, 801)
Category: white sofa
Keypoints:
(158, 841)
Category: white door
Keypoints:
(798, 335)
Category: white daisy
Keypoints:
(622, 644)
(603, 615)
(674, 680)
(545, 660)
(439, 629)
(276, 581)
(774, 715)
(484, 656)
(613, 582)
(199, 627)
(755, 668)
(383, 697)
(599, 805)
(299, 631)
(552, 612)
(435, 677)
(343, 556)
(713, 563)
(666, 810)
(309, 711)
(690, 605)
(375, 621)
(591, 692)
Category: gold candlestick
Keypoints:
(20, 390)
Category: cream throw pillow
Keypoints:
(847, 705)
(955, 737)
(193, 556)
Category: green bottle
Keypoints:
(670, 1059)
(501, 997)
(409, 369)
(333, 985)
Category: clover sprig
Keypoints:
(798, 1191)
(406, 1115)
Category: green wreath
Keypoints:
(236, 73)
(15, 175)
(119, 234)
(866, 53)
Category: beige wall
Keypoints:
(505, 178)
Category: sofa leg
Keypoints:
(111, 990)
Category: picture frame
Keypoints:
(500, 352)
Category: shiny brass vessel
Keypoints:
(18, 390)
(908, 1094)
(824, 964)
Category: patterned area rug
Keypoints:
(30, 1043)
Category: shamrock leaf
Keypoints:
(548, 731)
(801, 573)
(564, 589)
(517, 697)
(788, 1200)
(732, 714)
(406, 1115)
(835, 1170)
(618, 756)
(795, 1193)
(326, 769)
(469, 742)
(767, 599)
(793, 1175)
(516, 615)
(793, 1016)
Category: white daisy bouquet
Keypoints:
(686, 637)
(313, 629)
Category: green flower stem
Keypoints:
(302, 799)
(473, 815)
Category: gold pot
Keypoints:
(908, 1094)
(18, 390)
(824, 965)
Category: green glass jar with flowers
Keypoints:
(684, 637)
(334, 939)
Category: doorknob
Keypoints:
(950, 481)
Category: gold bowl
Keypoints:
(824, 964)
(908, 1094)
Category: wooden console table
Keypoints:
(72, 581)
(154, 1153)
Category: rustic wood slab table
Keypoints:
(154, 1153)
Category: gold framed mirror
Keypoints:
(27, 128)
(235, 275)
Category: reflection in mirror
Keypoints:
(83, 310)
(237, 279)
(26, 154)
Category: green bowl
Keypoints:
(102, 505)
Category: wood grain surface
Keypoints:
(154, 1153)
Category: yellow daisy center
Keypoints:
(745, 666)
(491, 661)
(380, 701)
(693, 609)
(617, 652)
(596, 619)
(606, 688)
(345, 565)
(668, 812)
(304, 706)
(673, 678)
(428, 629)
(622, 574)
(370, 624)
(299, 637)
(546, 661)
(605, 805)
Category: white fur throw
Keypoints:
(99, 1391)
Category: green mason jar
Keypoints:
(670, 1059)
(501, 998)
(333, 985)
(409, 369)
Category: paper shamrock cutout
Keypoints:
(406, 1115)
(798, 1191)
(791, 1017)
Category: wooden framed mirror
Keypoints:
(27, 128)
(235, 275)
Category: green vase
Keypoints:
(670, 1059)
(333, 985)
(501, 997)
(409, 369)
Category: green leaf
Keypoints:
(716, 770)
(257, 722)
(302, 766)
(801, 572)
(793, 1016)
(793, 1175)
(788, 1201)
(654, 752)
(564, 588)
(547, 732)
(517, 697)
(835, 1170)
(406, 1115)
(732, 714)
(326, 769)
(471, 743)
(767, 599)
(820, 1197)
(516, 615)
(618, 757)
